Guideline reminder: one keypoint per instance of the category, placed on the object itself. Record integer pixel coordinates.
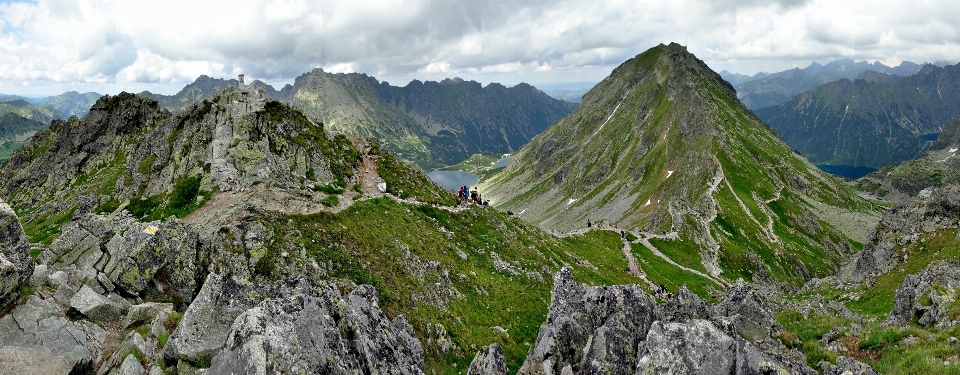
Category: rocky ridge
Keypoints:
(430, 123)
(929, 297)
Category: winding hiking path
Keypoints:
(643, 238)
(369, 179)
(655, 251)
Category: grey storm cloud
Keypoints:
(171, 43)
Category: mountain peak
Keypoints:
(662, 145)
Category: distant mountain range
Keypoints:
(430, 123)
(868, 123)
(764, 90)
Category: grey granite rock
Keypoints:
(591, 328)
(16, 267)
(318, 331)
(206, 323)
(928, 296)
(698, 347)
(133, 345)
(40, 274)
(144, 313)
(621, 330)
(131, 366)
(849, 366)
(488, 361)
(39, 325)
(95, 306)
(40, 360)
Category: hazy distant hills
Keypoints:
(570, 91)
(736, 79)
(763, 90)
(22, 108)
(863, 123)
(71, 103)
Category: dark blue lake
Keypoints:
(848, 171)
(453, 180)
(929, 137)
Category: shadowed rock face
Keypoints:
(15, 263)
(239, 327)
(621, 330)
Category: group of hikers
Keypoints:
(663, 293)
(471, 196)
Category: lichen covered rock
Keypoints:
(698, 347)
(16, 267)
(488, 361)
(591, 327)
(237, 327)
(621, 330)
(932, 297)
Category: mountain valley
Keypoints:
(868, 123)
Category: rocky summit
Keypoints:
(663, 148)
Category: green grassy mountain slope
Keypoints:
(912, 238)
(22, 108)
(663, 145)
(863, 123)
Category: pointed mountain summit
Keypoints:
(662, 146)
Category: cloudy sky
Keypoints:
(48, 47)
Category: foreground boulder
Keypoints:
(37, 338)
(621, 330)
(118, 253)
(237, 328)
(16, 267)
(930, 297)
(591, 328)
(698, 347)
